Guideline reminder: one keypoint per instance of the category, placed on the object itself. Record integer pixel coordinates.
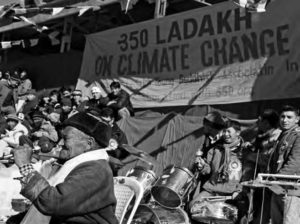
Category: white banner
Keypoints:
(212, 55)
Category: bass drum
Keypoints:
(156, 214)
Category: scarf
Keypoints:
(34, 216)
(233, 147)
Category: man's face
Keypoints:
(46, 99)
(96, 95)
(54, 98)
(263, 125)
(231, 135)
(66, 93)
(75, 143)
(66, 108)
(115, 91)
(288, 119)
(11, 124)
(37, 122)
(77, 98)
(23, 74)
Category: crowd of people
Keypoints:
(23, 113)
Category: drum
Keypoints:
(172, 186)
(146, 177)
(155, 214)
(215, 211)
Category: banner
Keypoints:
(212, 55)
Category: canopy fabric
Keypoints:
(70, 9)
(172, 139)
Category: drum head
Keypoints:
(166, 197)
(155, 214)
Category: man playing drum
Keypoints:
(224, 167)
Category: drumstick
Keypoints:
(217, 198)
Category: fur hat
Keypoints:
(215, 119)
(92, 126)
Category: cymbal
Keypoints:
(140, 154)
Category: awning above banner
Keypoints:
(214, 55)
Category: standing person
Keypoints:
(213, 124)
(256, 161)
(7, 96)
(286, 160)
(23, 90)
(119, 100)
(81, 191)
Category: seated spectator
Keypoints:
(43, 128)
(13, 131)
(66, 107)
(224, 165)
(54, 102)
(66, 92)
(31, 103)
(119, 100)
(98, 100)
(76, 98)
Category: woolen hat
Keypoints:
(92, 126)
(215, 119)
(96, 89)
(12, 117)
(77, 92)
(38, 114)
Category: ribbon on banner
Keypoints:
(252, 5)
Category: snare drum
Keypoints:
(155, 214)
(146, 177)
(215, 211)
(172, 186)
